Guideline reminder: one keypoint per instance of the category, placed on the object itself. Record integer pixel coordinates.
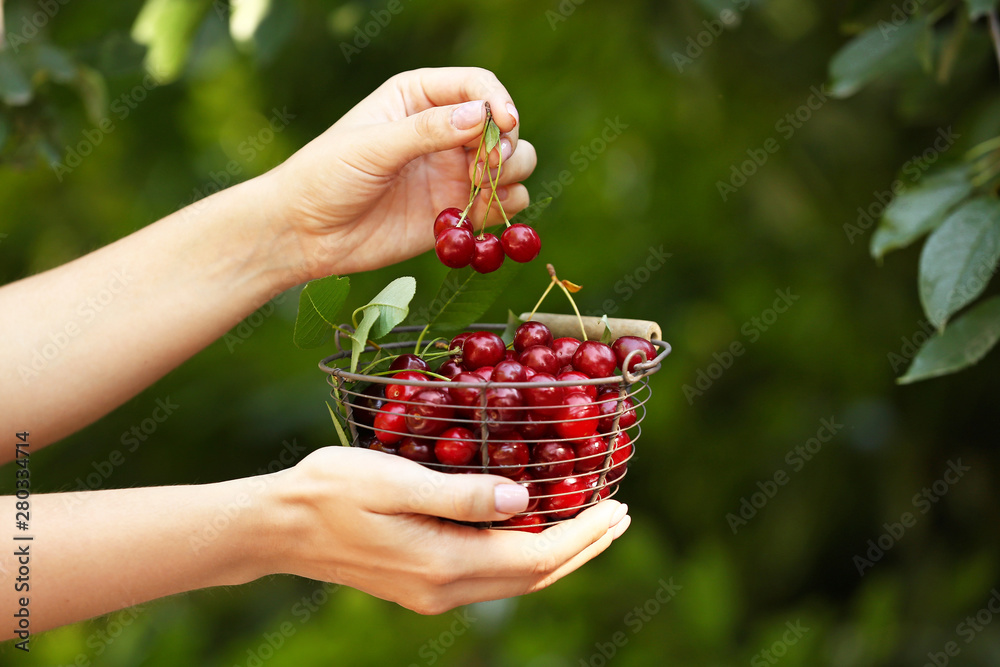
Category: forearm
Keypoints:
(81, 339)
(99, 551)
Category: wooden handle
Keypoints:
(569, 325)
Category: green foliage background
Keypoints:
(243, 400)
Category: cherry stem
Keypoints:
(538, 305)
(348, 334)
(556, 281)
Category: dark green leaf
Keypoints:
(465, 295)
(381, 314)
(882, 49)
(962, 344)
(319, 303)
(513, 322)
(15, 89)
(344, 440)
(959, 258)
(919, 210)
(979, 8)
(55, 63)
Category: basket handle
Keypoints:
(569, 325)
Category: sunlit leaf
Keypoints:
(381, 314)
(167, 28)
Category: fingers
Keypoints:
(516, 167)
(406, 487)
(430, 87)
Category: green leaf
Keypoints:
(513, 322)
(606, 337)
(465, 295)
(919, 210)
(55, 63)
(959, 258)
(93, 93)
(492, 135)
(381, 314)
(15, 89)
(882, 49)
(344, 440)
(962, 344)
(319, 303)
(168, 27)
(979, 8)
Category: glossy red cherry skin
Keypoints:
(455, 247)
(577, 417)
(482, 348)
(534, 488)
(450, 369)
(503, 406)
(589, 389)
(521, 243)
(408, 362)
(508, 455)
(468, 397)
(367, 404)
(625, 344)
(488, 255)
(535, 425)
(456, 446)
(529, 523)
(620, 455)
(542, 394)
(595, 359)
(419, 450)
(532, 333)
(539, 358)
(485, 372)
(390, 423)
(508, 371)
(551, 459)
(565, 498)
(565, 348)
(458, 341)
(449, 218)
(404, 392)
(607, 406)
(428, 413)
(590, 454)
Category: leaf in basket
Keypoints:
(513, 322)
(381, 314)
(606, 337)
(344, 440)
(319, 303)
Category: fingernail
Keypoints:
(505, 148)
(468, 115)
(618, 515)
(620, 529)
(510, 498)
(512, 110)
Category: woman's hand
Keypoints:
(365, 193)
(368, 520)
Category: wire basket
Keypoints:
(559, 488)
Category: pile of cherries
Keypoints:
(457, 246)
(561, 442)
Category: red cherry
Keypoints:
(367, 403)
(577, 418)
(468, 397)
(508, 456)
(534, 488)
(485, 372)
(621, 453)
(456, 446)
(502, 407)
(588, 389)
(450, 369)
(459, 340)
(408, 362)
(482, 348)
(488, 256)
(542, 395)
(529, 523)
(535, 425)
(449, 218)
(532, 333)
(626, 344)
(390, 423)
(429, 412)
(521, 242)
(417, 450)
(565, 498)
(607, 406)
(595, 359)
(539, 358)
(508, 371)
(590, 454)
(404, 392)
(379, 446)
(565, 348)
(455, 247)
(552, 460)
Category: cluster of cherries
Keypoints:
(457, 246)
(566, 443)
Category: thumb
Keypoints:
(429, 131)
(419, 490)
